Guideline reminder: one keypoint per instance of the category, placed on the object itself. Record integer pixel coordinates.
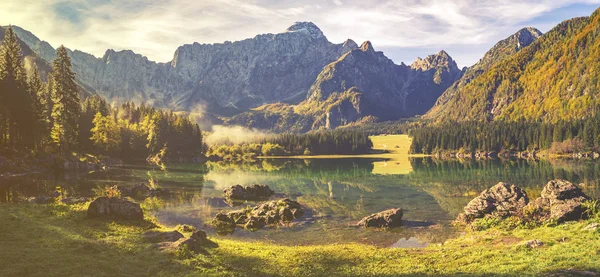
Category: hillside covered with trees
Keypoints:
(555, 78)
(39, 117)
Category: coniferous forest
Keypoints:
(563, 137)
(39, 117)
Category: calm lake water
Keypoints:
(337, 193)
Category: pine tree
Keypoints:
(66, 103)
(36, 94)
(17, 111)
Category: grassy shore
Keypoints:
(57, 240)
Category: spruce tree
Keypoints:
(36, 94)
(17, 110)
(66, 104)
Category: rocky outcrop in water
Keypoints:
(269, 213)
(115, 208)
(386, 219)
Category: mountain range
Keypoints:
(298, 81)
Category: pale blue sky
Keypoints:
(403, 29)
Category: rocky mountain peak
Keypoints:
(526, 36)
(367, 47)
(308, 28)
(350, 44)
(441, 59)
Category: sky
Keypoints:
(402, 29)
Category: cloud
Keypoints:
(155, 28)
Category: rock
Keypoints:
(223, 224)
(592, 227)
(192, 245)
(186, 228)
(199, 235)
(388, 219)
(255, 223)
(560, 201)
(40, 200)
(115, 207)
(269, 213)
(157, 236)
(74, 200)
(501, 200)
(253, 192)
(532, 244)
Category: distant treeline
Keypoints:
(39, 117)
(562, 137)
(316, 143)
(324, 142)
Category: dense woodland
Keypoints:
(315, 143)
(562, 137)
(39, 117)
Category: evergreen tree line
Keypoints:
(324, 142)
(36, 116)
(49, 117)
(561, 137)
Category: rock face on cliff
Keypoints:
(362, 84)
(224, 77)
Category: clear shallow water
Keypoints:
(337, 193)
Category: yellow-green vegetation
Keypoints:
(555, 78)
(58, 240)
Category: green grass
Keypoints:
(56, 240)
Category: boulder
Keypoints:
(269, 213)
(560, 201)
(157, 236)
(388, 219)
(223, 224)
(116, 208)
(253, 192)
(196, 242)
(502, 200)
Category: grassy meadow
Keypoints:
(58, 240)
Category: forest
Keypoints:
(315, 143)
(562, 137)
(38, 117)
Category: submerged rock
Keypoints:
(560, 201)
(253, 192)
(141, 191)
(388, 219)
(502, 200)
(115, 207)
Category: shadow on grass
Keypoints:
(53, 240)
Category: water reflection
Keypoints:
(337, 192)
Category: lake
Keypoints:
(336, 192)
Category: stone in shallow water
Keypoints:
(389, 219)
